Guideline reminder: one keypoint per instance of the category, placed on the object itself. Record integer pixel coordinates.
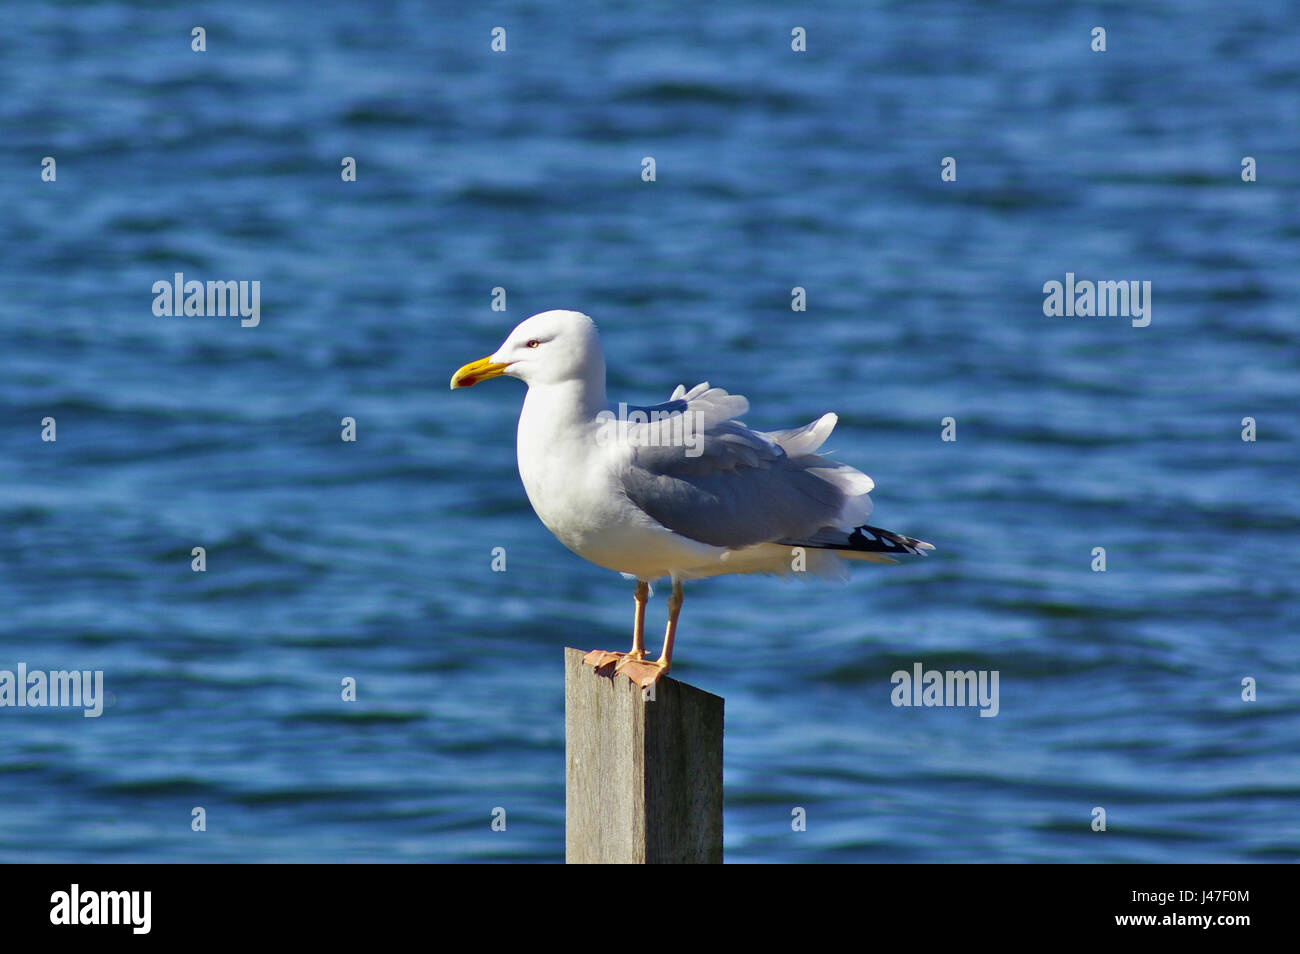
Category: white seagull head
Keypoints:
(549, 348)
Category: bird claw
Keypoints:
(642, 673)
(599, 659)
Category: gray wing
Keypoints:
(708, 477)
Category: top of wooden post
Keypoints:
(643, 770)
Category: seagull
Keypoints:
(682, 489)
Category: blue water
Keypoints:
(522, 170)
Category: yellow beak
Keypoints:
(476, 371)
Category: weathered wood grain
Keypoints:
(643, 778)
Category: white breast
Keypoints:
(572, 482)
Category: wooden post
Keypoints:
(643, 778)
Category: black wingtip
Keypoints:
(875, 540)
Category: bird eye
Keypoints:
(532, 343)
